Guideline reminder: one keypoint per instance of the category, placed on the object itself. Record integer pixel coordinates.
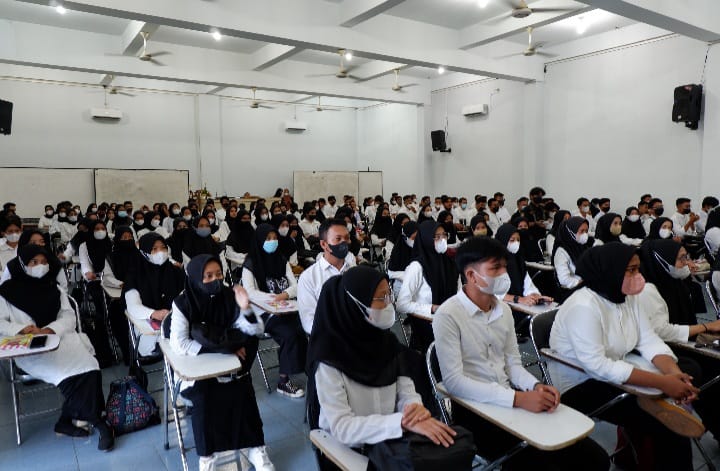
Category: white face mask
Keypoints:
(15, 237)
(72, 218)
(158, 258)
(100, 235)
(615, 230)
(581, 239)
(441, 246)
(513, 247)
(283, 231)
(665, 233)
(634, 218)
(62, 215)
(187, 217)
(38, 271)
(381, 318)
(264, 217)
(428, 214)
(496, 285)
(211, 221)
(679, 273)
(155, 223)
(349, 227)
(140, 222)
(176, 212)
(410, 242)
(49, 213)
(585, 209)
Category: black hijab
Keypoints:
(602, 269)
(602, 228)
(25, 237)
(198, 305)
(529, 249)
(383, 225)
(713, 219)
(176, 241)
(448, 226)
(343, 338)
(158, 285)
(655, 228)
(241, 236)
(265, 265)
(396, 231)
(286, 246)
(145, 225)
(421, 215)
(401, 254)
(81, 236)
(195, 245)
(438, 270)
(214, 227)
(39, 298)
(125, 256)
(557, 220)
(633, 230)
(655, 256)
(98, 250)
(515, 261)
(566, 239)
(474, 222)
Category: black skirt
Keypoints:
(83, 397)
(225, 416)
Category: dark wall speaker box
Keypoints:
(438, 140)
(687, 105)
(5, 116)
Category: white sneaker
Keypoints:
(259, 458)
(207, 463)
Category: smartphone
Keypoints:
(38, 341)
(541, 302)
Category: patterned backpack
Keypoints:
(130, 407)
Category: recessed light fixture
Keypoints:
(441, 70)
(483, 3)
(348, 56)
(61, 9)
(582, 25)
(216, 35)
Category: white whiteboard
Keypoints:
(308, 186)
(142, 186)
(32, 188)
(369, 184)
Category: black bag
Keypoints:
(130, 407)
(414, 452)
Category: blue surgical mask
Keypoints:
(270, 246)
(202, 231)
(122, 214)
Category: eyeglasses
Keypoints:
(684, 258)
(389, 298)
(440, 236)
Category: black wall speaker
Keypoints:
(438, 140)
(687, 105)
(5, 116)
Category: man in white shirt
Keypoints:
(463, 213)
(308, 224)
(494, 218)
(330, 208)
(371, 211)
(479, 359)
(336, 259)
(604, 206)
(503, 213)
(708, 204)
(655, 210)
(684, 219)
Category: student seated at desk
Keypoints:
(173, 213)
(402, 254)
(11, 229)
(712, 233)
(154, 225)
(176, 241)
(42, 239)
(632, 231)
(286, 246)
(266, 270)
(214, 225)
(662, 228)
(668, 302)
(150, 288)
(528, 243)
(231, 218)
(480, 227)
(364, 389)
(199, 241)
(479, 360)
(239, 241)
(560, 216)
(381, 227)
(225, 412)
(65, 224)
(47, 219)
(31, 303)
(139, 224)
(445, 219)
(429, 280)
(608, 229)
(572, 240)
(597, 327)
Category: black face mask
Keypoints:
(686, 211)
(214, 287)
(310, 217)
(606, 209)
(659, 211)
(125, 244)
(339, 250)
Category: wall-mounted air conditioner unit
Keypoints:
(475, 110)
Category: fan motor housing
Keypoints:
(521, 12)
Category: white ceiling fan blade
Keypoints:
(156, 62)
(552, 10)
(320, 75)
(509, 55)
(499, 18)
(160, 53)
(409, 85)
(266, 107)
(545, 54)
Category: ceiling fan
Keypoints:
(520, 9)
(532, 49)
(146, 56)
(343, 72)
(319, 107)
(396, 86)
(256, 104)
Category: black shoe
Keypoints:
(106, 442)
(68, 429)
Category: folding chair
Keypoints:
(433, 369)
(89, 306)
(261, 351)
(542, 245)
(713, 295)
(20, 385)
(344, 457)
(136, 333)
(709, 254)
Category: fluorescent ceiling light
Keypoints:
(61, 9)
(216, 35)
(483, 3)
(441, 70)
(348, 56)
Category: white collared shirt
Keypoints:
(478, 352)
(656, 309)
(598, 334)
(565, 269)
(647, 222)
(679, 221)
(310, 284)
(415, 296)
(494, 221)
(310, 228)
(700, 223)
(503, 214)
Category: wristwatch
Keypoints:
(516, 299)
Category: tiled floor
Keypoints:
(285, 435)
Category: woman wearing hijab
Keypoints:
(572, 240)
(560, 216)
(528, 244)
(712, 234)
(522, 289)
(608, 228)
(425, 214)
(65, 225)
(47, 219)
(150, 289)
(176, 241)
(199, 241)
(260, 215)
(402, 254)
(31, 303)
(633, 232)
(239, 241)
(266, 270)
(154, 224)
(479, 226)
(231, 217)
(596, 328)
(210, 317)
(365, 392)
(214, 224)
(42, 239)
(661, 228)
(382, 228)
(286, 246)
(445, 219)
(139, 224)
(173, 213)
(429, 280)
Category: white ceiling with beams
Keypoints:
(350, 53)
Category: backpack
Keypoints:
(130, 407)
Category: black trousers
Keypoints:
(657, 446)
(422, 334)
(493, 442)
(99, 336)
(703, 369)
(84, 398)
(119, 325)
(287, 331)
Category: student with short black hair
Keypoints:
(480, 361)
(11, 229)
(708, 204)
(655, 210)
(684, 219)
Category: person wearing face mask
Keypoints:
(309, 225)
(11, 229)
(535, 213)
(463, 213)
(42, 239)
(402, 254)
(123, 217)
(596, 328)
(632, 230)
(522, 289)
(31, 303)
(365, 394)
(429, 280)
(480, 227)
(174, 212)
(608, 229)
(47, 219)
(425, 214)
(150, 289)
(708, 204)
(494, 218)
(502, 212)
(214, 225)
(154, 224)
(479, 360)
(286, 245)
(684, 219)
(381, 228)
(140, 225)
(65, 225)
(176, 241)
(335, 259)
(572, 240)
(82, 231)
(266, 270)
(228, 223)
(199, 241)
(655, 210)
(445, 219)
(209, 317)
(560, 216)
(662, 228)
(239, 241)
(358, 237)
(603, 209)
